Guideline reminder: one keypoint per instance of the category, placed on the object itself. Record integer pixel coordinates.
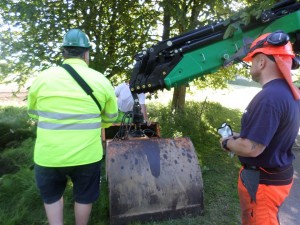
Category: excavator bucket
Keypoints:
(153, 179)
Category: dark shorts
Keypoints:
(85, 178)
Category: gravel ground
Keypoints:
(8, 99)
(235, 97)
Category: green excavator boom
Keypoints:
(203, 51)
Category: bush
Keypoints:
(15, 126)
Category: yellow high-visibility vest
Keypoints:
(69, 121)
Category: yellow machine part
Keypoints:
(153, 179)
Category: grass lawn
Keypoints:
(20, 202)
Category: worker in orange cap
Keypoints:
(269, 126)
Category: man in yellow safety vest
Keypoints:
(69, 126)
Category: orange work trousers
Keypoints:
(268, 200)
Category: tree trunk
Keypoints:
(178, 101)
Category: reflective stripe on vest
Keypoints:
(111, 115)
(71, 126)
(63, 116)
(66, 116)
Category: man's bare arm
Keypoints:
(244, 147)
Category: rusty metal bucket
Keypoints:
(153, 179)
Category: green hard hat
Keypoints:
(76, 38)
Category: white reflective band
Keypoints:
(63, 116)
(111, 115)
(108, 121)
(72, 126)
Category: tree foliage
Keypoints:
(32, 31)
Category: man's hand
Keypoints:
(223, 143)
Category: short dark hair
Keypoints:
(271, 57)
(71, 52)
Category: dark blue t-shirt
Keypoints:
(272, 118)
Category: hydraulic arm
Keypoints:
(183, 58)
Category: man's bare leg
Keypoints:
(54, 212)
(82, 213)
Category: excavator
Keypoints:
(153, 178)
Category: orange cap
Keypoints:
(268, 49)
